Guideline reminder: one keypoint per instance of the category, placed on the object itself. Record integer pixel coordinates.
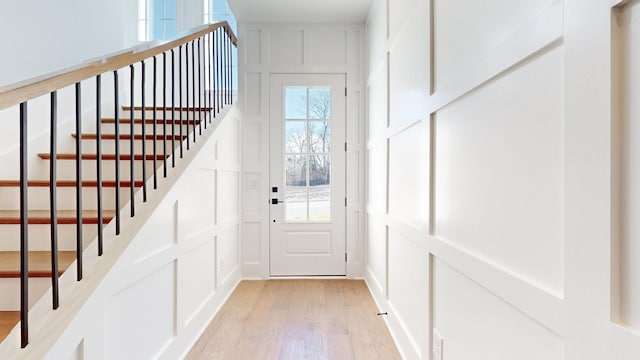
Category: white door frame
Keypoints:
(309, 264)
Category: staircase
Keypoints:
(39, 217)
(124, 155)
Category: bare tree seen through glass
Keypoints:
(308, 147)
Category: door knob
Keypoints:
(276, 201)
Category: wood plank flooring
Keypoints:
(297, 319)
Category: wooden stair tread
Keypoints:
(149, 121)
(123, 157)
(68, 183)
(12, 217)
(39, 263)
(128, 136)
(8, 320)
(184, 108)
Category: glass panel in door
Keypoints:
(307, 160)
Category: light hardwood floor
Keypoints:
(297, 319)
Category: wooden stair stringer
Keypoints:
(45, 325)
(8, 320)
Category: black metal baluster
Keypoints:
(217, 68)
(155, 119)
(214, 73)
(173, 109)
(205, 66)
(79, 219)
(99, 161)
(116, 111)
(208, 81)
(217, 50)
(53, 201)
(164, 113)
(201, 73)
(231, 70)
(132, 178)
(180, 95)
(226, 67)
(220, 77)
(24, 232)
(223, 76)
(193, 85)
(186, 74)
(144, 133)
(214, 76)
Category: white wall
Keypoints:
(264, 49)
(40, 37)
(190, 14)
(171, 279)
(489, 208)
(53, 37)
(44, 37)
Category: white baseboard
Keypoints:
(398, 333)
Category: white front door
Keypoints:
(307, 174)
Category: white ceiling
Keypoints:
(300, 11)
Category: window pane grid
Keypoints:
(307, 152)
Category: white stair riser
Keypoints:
(39, 198)
(10, 288)
(39, 237)
(148, 128)
(109, 146)
(67, 169)
(125, 114)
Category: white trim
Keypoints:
(533, 299)
(533, 37)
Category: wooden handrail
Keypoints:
(17, 93)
